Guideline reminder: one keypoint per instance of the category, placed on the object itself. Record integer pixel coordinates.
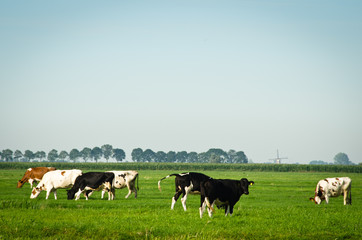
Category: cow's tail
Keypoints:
(137, 181)
(350, 194)
(159, 181)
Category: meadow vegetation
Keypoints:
(278, 207)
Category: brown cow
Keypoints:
(34, 174)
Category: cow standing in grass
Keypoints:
(55, 179)
(92, 181)
(123, 179)
(222, 193)
(33, 175)
(333, 187)
(185, 183)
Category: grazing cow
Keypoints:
(124, 179)
(185, 183)
(55, 179)
(34, 174)
(333, 187)
(92, 181)
(222, 192)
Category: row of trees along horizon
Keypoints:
(107, 152)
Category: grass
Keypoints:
(278, 207)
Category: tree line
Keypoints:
(213, 155)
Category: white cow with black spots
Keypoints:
(333, 187)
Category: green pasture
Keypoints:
(278, 207)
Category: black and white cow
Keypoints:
(333, 187)
(185, 183)
(124, 179)
(92, 181)
(222, 192)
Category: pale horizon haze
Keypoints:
(252, 76)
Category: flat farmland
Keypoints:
(277, 207)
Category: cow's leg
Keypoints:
(210, 205)
(345, 197)
(31, 183)
(47, 194)
(77, 195)
(114, 193)
(231, 210)
(55, 194)
(184, 197)
(129, 187)
(174, 199)
(227, 210)
(327, 198)
(103, 191)
(211, 209)
(134, 189)
(202, 206)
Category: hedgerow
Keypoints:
(188, 166)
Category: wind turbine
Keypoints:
(278, 159)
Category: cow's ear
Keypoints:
(312, 199)
(251, 183)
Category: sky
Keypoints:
(252, 76)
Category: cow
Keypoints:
(223, 193)
(55, 179)
(333, 187)
(185, 183)
(92, 181)
(33, 175)
(124, 179)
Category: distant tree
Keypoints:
(318, 162)
(171, 156)
(160, 156)
(214, 158)
(203, 157)
(41, 155)
(63, 155)
(107, 151)
(118, 154)
(74, 154)
(148, 156)
(86, 153)
(29, 155)
(241, 157)
(231, 156)
(96, 153)
(181, 156)
(7, 155)
(192, 157)
(342, 159)
(137, 154)
(18, 155)
(216, 153)
(53, 155)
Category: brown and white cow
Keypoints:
(333, 187)
(34, 174)
(55, 179)
(124, 179)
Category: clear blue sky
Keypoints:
(253, 76)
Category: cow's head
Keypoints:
(244, 183)
(318, 197)
(36, 191)
(71, 194)
(20, 183)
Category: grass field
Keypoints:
(278, 207)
